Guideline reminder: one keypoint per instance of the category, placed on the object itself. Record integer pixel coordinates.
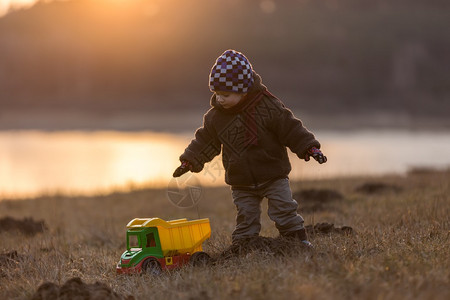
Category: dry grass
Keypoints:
(400, 249)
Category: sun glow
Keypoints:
(7, 5)
(150, 9)
(11, 5)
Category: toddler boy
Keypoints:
(252, 128)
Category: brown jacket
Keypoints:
(253, 136)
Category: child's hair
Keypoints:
(232, 72)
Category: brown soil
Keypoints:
(370, 188)
(26, 226)
(312, 200)
(272, 246)
(327, 228)
(75, 288)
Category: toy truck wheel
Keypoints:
(200, 259)
(151, 267)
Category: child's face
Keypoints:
(228, 99)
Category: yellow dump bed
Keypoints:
(177, 236)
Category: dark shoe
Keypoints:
(299, 235)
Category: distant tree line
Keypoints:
(327, 56)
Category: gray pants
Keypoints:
(282, 209)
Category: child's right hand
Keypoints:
(316, 154)
(184, 168)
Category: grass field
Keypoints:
(399, 248)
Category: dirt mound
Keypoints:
(312, 200)
(427, 171)
(75, 288)
(27, 226)
(278, 246)
(272, 246)
(327, 228)
(370, 188)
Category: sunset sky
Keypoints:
(5, 5)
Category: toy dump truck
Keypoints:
(154, 245)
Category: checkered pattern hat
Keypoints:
(232, 72)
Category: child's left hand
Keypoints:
(316, 154)
(184, 168)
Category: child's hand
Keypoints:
(316, 154)
(184, 168)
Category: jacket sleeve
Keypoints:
(204, 147)
(291, 132)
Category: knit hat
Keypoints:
(232, 72)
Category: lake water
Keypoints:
(36, 162)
